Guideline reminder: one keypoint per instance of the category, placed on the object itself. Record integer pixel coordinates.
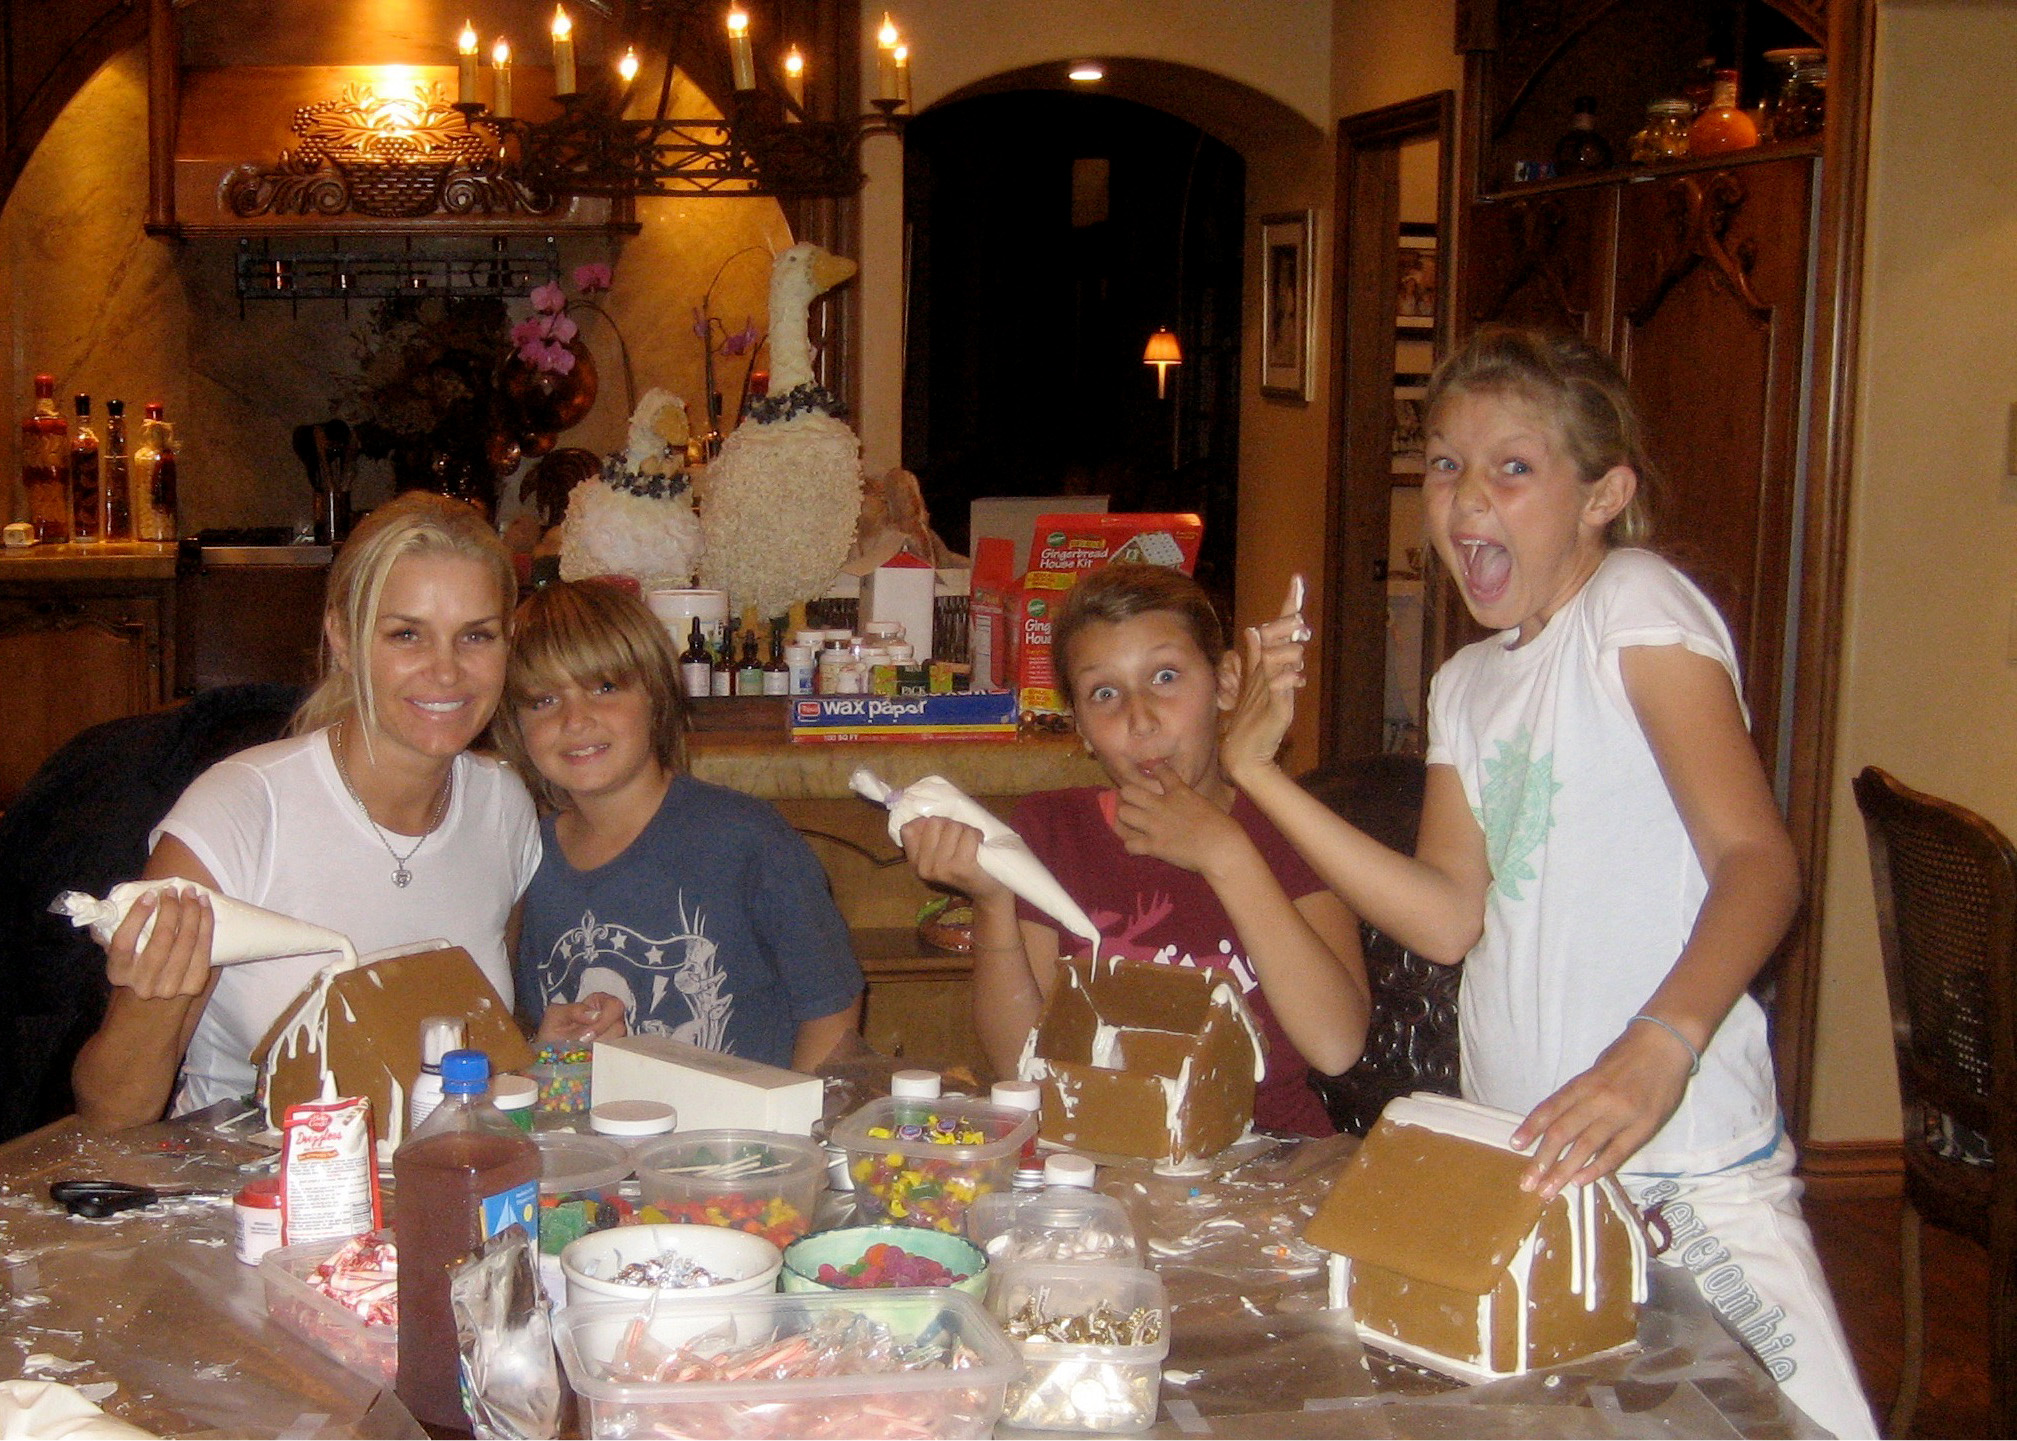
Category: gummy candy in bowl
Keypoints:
(925, 1162)
(868, 1257)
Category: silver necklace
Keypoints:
(401, 876)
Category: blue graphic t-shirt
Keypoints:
(715, 927)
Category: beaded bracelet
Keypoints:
(1694, 1056)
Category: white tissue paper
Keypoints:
(1003, 854)
(240, 932)
(49, 1410)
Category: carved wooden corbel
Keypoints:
(1699, 213)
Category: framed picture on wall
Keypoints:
(1288, 295)
(1409, 463)
(1415, 304)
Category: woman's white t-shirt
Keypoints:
(1595, 884)
(275, 826)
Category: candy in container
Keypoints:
(865, 1257)
(874, 1364)
(579, 1181)
(1092, 1339)
(925, 1163)
(763, 1182)
(299, 1280)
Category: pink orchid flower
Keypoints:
(549, 299)
(742, 341)
(563, 329)
(591, 278)
(529, 331)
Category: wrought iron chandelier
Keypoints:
(767, 143)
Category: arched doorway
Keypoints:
(1049, 233)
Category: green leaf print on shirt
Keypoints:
(1516, 815)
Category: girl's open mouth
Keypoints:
(1488, 569)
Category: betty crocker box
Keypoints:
(1062, 550)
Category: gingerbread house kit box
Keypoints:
(1063, 548)
(1446, 1262)
(1139, 1059)
(360, 1022)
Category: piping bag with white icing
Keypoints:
(1003, 854)
(240, 932)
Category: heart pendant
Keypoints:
(402, 877)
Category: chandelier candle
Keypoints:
(563, 53)
(739, 58)
(465, 66)
(500, 79)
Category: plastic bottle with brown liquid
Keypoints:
(464, 1175)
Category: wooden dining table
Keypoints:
(149, 1313)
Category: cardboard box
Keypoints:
(903, 589)
(1140, 1059)
(1063, 549)
(959, 716)
(988, 611)
(707, 1088)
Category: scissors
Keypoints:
(99, 1199)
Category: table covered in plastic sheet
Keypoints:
(149, 1314)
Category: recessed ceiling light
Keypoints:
(1086, 73)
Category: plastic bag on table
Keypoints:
(510, 1379)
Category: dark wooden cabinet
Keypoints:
(1696, 280)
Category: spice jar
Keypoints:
(1799, 102)
(1665, 136)
(1722, 126)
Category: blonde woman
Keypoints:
(372, 818)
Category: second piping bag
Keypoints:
(1003, 854)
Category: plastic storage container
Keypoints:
(1068, 1386)
(763, 1182)
(925, 1163)
(579, 1179)
(335, 1331)
(1060, 1224)
(935, 1400)
(563, 1076)
(845, 1247)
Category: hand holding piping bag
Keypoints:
(1271, 672)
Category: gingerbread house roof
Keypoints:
(1433, 1192)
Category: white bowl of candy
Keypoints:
(632, 1263)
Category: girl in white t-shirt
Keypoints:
(1598, 841)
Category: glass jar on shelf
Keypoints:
(1799, 102)
(1665, 136)
(1581, 150)
(1722, 126)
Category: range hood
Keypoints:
(337, 117)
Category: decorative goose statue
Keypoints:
(779, 503)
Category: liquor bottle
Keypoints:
(45, 465)
(721, 676)
(1722, 126)
(153, 471)
(776, 674)
(749, 675)
(115, 494)
(1581, 150)
(464, 1175)
(84, 476)
(696, 670)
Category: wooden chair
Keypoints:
(1411, 1037)
(1946, 883)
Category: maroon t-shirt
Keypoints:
(1149, 910)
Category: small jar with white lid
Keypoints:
(916, 1085)
(632, 1123)
(882, 632)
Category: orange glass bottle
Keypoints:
(1722, 126)
(45, 465)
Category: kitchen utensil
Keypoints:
(99, 1199)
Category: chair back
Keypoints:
(1946, 884)
(1411, 1036)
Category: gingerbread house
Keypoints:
(360, 1022)
(1139, 1059)
(1444, 1261)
